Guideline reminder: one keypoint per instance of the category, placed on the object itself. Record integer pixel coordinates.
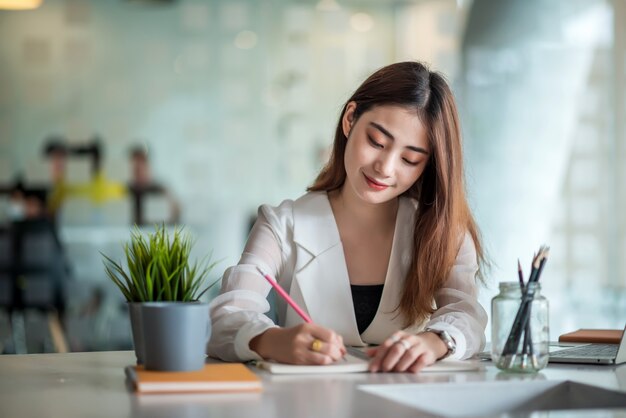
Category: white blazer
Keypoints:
(298, 243)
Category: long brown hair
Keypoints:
(443, 214)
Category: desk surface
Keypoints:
(93, 384)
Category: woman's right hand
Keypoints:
(294, 345)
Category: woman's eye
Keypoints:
(413, 163)
(374, 143)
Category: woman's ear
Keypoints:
(348, 118)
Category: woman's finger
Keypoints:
(330, 349)
(382, 350)
(330, 343)
(394, 354)
(409, 357)
(377, 359)
(371, 352)
(393, 338)
(342, 345)
(311, 357)
(325, 334)
(426, 359)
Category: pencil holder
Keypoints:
(519, 328)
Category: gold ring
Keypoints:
(316, 345)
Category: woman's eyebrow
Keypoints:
(390, 136)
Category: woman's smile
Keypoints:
(375, 184)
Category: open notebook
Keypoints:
(357, 361)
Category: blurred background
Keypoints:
(195, 112)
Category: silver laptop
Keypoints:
(593, 353)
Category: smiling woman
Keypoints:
(382, 250)
(380, 159)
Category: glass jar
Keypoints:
(524, 349)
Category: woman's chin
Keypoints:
(376, 197)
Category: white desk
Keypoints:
(93, 385)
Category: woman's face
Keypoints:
(386, 152)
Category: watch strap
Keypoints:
(446, 338)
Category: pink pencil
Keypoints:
(285, 296)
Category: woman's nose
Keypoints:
(384, 165)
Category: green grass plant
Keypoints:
(159, 269)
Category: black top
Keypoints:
(366, 300)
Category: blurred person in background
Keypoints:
(142, 184)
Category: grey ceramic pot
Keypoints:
(175, 335)
(134, 310)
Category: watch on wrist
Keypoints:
(447, 340)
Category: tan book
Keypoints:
(603, 336)
(228, 377)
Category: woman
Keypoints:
(382, 250)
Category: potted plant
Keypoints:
(170, 324)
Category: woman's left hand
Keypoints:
(403, 352)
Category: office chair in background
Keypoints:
(36, 270)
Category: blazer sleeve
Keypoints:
(457, 309)
(238, 312)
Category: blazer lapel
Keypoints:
(320, 273)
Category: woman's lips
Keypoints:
(374, 184)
